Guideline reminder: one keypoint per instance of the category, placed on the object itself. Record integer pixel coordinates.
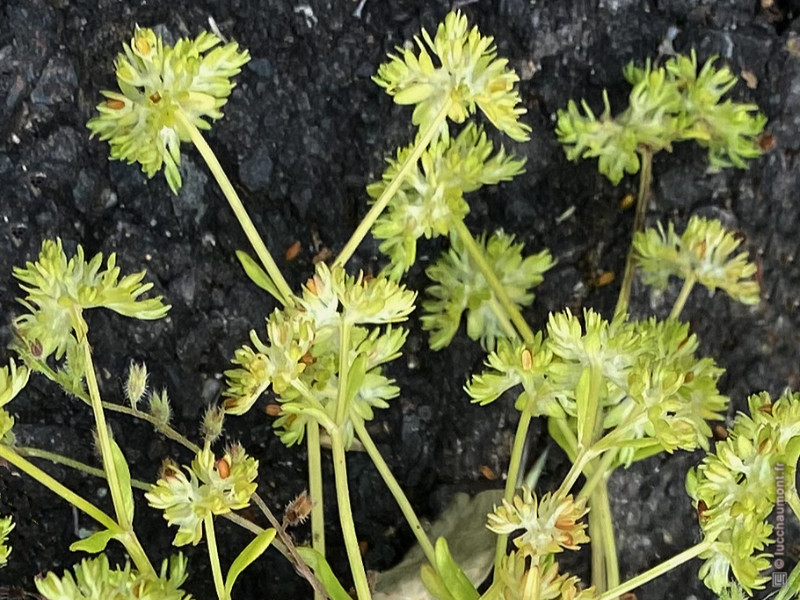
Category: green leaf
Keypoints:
(448, 582)
(123, 479)
(93, 544)
(355, 377)
(250, 553)
(324, 573)
(258, 275)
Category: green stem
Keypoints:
(501, 315)
(595, 474)
(103, 437)
(656, 571)
(476, 253)
(346, 516)
(315, 489)
(286, 295)
(645, 180)
(680, 301)
(162, 428)
(587, 428)
(344, 367)
(583, 458)
(605, 565)
(396, 490)
(27, 467)
(410, 163)
(514, 465)
(31, 452)
(213, 557)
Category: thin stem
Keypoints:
(595, 474)
(605, 565)
(583, 458)
(346, 516)
(103, 438)
(213, 557)
(344, 367)
(164, 429)
(286, 547)
(30, 452)
(514, 465)
(315, 489)
(396, 490)
(502, 316)
(587, 427)
(286, 295)
(680, 301)
(377, 208)
(79, 502)
(656, 571)
(476, 253)
(645, 180)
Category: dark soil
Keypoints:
(304, 132)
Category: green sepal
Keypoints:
(447, 581)
(124, 480)
(95, 543)
(324, 573)
(246, 557)
(257, 275)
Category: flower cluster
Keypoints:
(735, 491)
(95, 579)
(651, 387)
(548, 526)
(459, 287)
(301, 358)
(57, 287)
(431, 197)
(213, 487)
(519, 578)
(158, 85)
(703, 253)
(470, 76)
(668, 104)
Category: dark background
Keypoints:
(304, 132)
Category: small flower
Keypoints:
(548, 525)
(213, 420)
(520, 578)
(6, 526)
(212, 487)
(158, 82)
(470, 76)
(704, 252)
(159, 406)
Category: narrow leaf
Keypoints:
(94, 543)
(251, 552)
(124, 479)
(324, 573)
(258, 276)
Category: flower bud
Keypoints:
(136, 384)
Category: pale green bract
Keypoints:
(12, 380)
(156, 82)
(95, 579)
(470, 76)
(459, 287)
(6, 526)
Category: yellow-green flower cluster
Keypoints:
(519, 578)
(704, 253)
(547, 526)
(301, 358)
(460, 287)
(159, 83)
(95, 579)
(469, 76)
(735, 490)
(58, 288)
(668, 104)
(430, 199)
(212, 487)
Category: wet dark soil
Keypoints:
(304, 132)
